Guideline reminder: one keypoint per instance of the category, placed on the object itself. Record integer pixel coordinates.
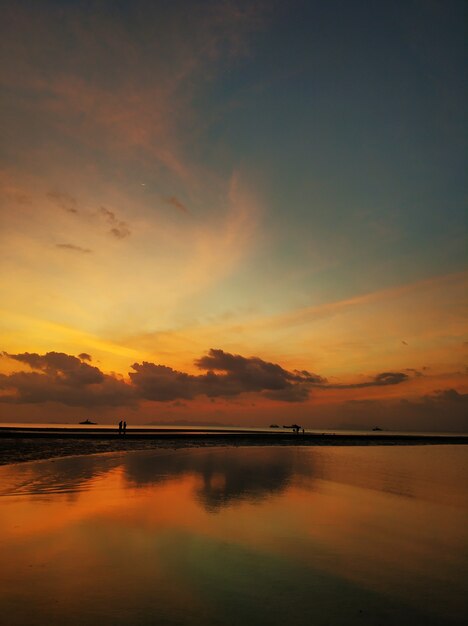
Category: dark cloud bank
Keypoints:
(442, 410)
(73, 381)
(59, 377)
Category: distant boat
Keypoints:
(296, 428)
(274, 426)
(88, 423)
(376, 428)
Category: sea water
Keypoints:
(273, 535)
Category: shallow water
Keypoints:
(361, 535)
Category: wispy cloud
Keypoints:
(64, 201)
(118, 228)
(110, 93)
(177, 204)
(72, 247)
(379, 380)
(307, 314)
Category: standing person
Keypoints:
(125, 428)
(120, 427)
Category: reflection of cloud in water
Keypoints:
(223, 475)
(226, 475)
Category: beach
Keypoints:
(30, 443)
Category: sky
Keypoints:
(234, 212)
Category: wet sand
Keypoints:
(18, 445)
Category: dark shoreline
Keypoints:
(18, 445)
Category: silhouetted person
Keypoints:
(120, 427)
(125, 428)
(303, 431)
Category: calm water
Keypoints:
(237, 536)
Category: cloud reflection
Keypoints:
(225, 476)
(222, 476)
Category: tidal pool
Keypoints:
(237, 536)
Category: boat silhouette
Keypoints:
(295, 427)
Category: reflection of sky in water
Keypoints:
(225, 536)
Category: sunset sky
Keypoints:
(234, 212)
